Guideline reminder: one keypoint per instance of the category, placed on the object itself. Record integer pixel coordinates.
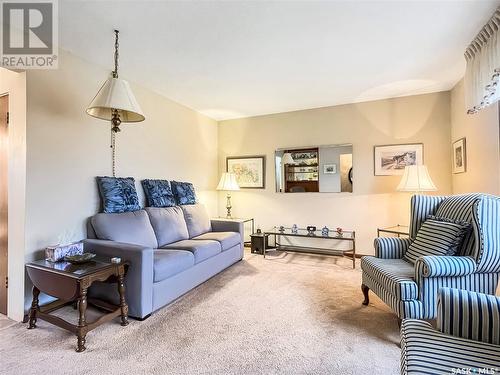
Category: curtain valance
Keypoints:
(482, 74)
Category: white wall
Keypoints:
(481, 131)
(66, 149)
(14, 84)
(374, 202)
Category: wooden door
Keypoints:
(4, 110)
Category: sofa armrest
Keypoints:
(139, 278)
(444, 265)
(469, 315)
(227, 226)
(391, 247)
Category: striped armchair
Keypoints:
(467, 339)
(411, 289)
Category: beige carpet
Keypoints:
(287, 314)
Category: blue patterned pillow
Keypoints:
(183, 192)
(437, 236)
(118, 194)
(158, 193)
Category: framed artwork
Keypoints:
(330, 168)
(459, 155)
(391, 160)
(250, 171)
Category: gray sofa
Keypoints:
(171, 250)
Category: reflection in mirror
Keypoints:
(324, 169)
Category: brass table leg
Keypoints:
(123, 303)
(34, 308)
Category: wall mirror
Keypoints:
(323, 169)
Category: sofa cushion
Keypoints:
(158, 193)
(395, 275)
(437, 236)
(183, 192)
(168, 263)
(201, 249)
(226, 239)
(129, 227)
(197, 219)
(118, 194)
(168, 223)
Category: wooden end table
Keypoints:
(69, 284)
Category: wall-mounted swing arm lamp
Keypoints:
(116, 103)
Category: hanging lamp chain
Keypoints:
(115, 72)
(115, 121)
(113, 153)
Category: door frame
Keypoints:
(4, 182)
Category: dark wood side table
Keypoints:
(69, 283)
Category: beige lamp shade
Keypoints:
(115, 94)
(416, 178)
(287, 158)
(228, 182)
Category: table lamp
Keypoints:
(416, 179)
(228, 183)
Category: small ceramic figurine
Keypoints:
(295, 228)
(325, 231)
(311, 229)
(340, 231)
(282, 228)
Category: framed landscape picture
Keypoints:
(249, 170)
(459, 156)
(391, 160)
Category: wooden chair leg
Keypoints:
(365, 291)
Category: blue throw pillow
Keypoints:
(183, 192)
(118, 194)
(158, 193)
(437, 236)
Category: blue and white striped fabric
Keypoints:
(404, 309)
(396, 275)
(430, 286)
(462, 207)
(433, 266)
(487, 219)
(478, 271)
(391, 247)
(421, 207)
(436, 237)
(427, 351)
(469, 315)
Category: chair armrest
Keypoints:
(391, 247)
(227, 226)
(444, 265)
(469, 315)
(139, 278)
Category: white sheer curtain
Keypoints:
(482, 74)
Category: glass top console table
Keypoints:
(349, 236)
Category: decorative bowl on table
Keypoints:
(79, 259)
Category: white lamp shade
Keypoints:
(287, 158)
(115, 94)
(228, 182)
(416, 178)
